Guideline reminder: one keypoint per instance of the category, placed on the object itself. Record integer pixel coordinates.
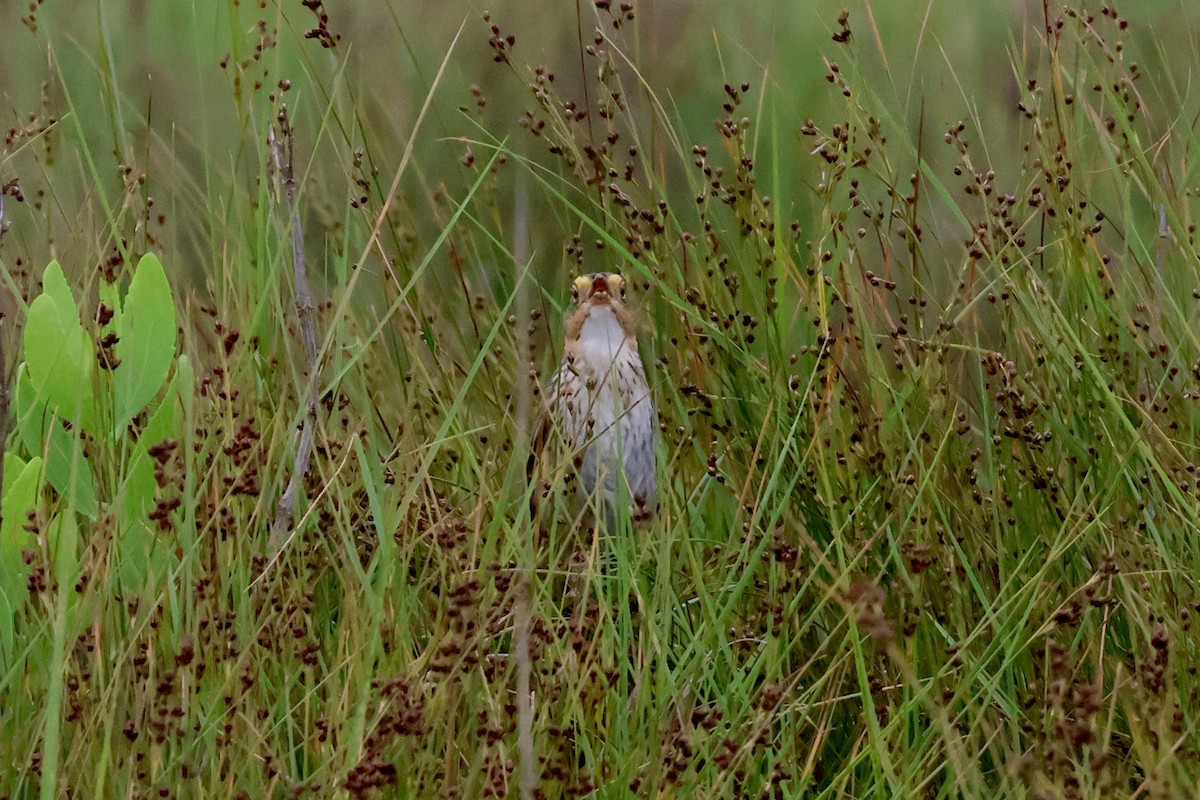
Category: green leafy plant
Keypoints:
(77, 393)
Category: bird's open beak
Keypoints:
(599, 285)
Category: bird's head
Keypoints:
(596, 291)
(598, 287)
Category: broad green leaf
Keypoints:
(140, 550)
(68, 471)
(30, 413)
(165, 422)
(20, 493)
(139, 488)
(58, 352)
(63, 535)
(136, 500)
(43, 435)
(147, 341)
(8, 634)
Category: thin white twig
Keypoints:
(281, 152)
(522, 611)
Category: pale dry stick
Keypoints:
(1164, 240)
(4, 390)
(281, 152)
(521, 621)
(341, 309)
(522, 607)
(3, 381)
(1160, 259)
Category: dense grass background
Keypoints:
(919, 298)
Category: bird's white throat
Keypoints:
(601, 335)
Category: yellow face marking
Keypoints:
(610, 283)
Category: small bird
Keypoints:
(601, 403)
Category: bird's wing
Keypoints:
(540, 438)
